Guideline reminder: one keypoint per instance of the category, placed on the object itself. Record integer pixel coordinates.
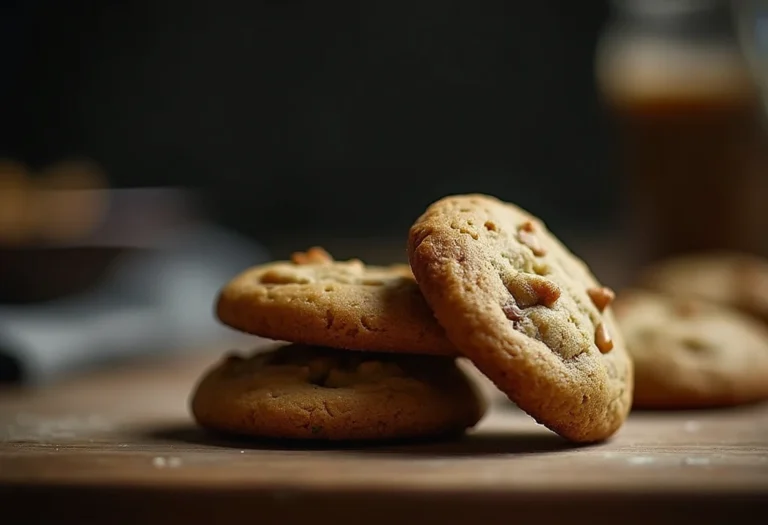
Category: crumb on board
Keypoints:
(38, 427)
(162, 462)
(692, 426)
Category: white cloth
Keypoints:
(157, 302)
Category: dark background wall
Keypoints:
(345, 118)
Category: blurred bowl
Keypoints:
(34, 274)
(132, 221)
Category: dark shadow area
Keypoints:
(486, 443)
(10, 369)
(149, 504)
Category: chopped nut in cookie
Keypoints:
(315, 255)
(531, 290)
(696, 344)
(526, 236)
(541, 268)
(527, 226)
(603, 339)
(686, 307)
(512, 311)
(276, 276)
(601, 297)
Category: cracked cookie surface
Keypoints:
(690, 353)
(527, 312)
(301, 392)
(316, 300)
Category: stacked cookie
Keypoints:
(370, 352)
(365, 358)
(697, 329)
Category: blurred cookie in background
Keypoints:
(70, 199)
(63, 202)
(17, 224)
(689, 353)
(733, 279)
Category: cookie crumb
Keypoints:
(161, 462)
(696, 461)
(601, 297)
(692, 426)
(603, 339)
(641, 460)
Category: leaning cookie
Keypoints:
(342, 304)
(526, 311)
(732, 279)
(692, 354)
(300, 392)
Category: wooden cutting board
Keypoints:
(120, 447)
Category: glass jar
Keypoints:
(690, 125)
(751, 17)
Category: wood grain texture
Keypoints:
(121, 444)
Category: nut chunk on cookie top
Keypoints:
(526, 311)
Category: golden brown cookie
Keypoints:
(343, 304)
(692, 354)
(301, 392)
(526, 311)
(732, 279)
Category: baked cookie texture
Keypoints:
(316, 300)
(691, 353)
(526, 311)
(732, 279)
(301, 392)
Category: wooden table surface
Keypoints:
(119, 446)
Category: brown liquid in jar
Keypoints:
(694, 156)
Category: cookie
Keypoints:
(526, 311)
(301, 392)
(692, 354)
(315, 300)
(733, 279)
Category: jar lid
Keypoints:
(669, 8)
(689, 17)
